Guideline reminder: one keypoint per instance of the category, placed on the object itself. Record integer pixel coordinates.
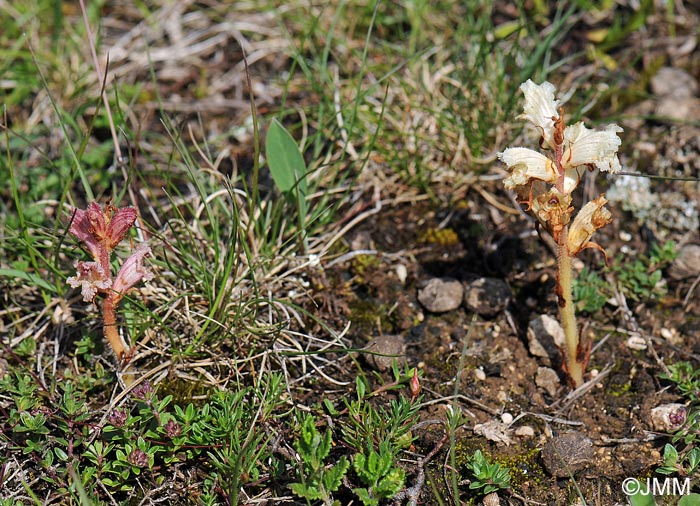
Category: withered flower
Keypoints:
(590, 218)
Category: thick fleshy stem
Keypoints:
(109, 328)
(574, 367)
(566, 309)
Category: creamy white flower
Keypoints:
(541, 108)
(584, 146)
(581, 147)
(526, 164)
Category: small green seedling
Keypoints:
(378, 472)
(317, 479)
(488, 477)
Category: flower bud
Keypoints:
(415, 385)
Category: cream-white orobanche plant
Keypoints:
(545, 183)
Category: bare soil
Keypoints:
(472, 239)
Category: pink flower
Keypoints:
(92, 279)
(132, 271)
(119, 225)
(88, 227)
(102, 229)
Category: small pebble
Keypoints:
(567, 454)
(636, 343)
(525, 431)
(666, 333)
(441, 295)
(491, 499)
(479, 374)
(387, 349)
(507, 418)
(548, 379)
(401, 273)
(687, 263)
(675, 108)
(672, 81)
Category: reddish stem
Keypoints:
(109, 319)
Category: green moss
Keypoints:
(525, 469)
(443, 237)
(619, 383)
(362, 265)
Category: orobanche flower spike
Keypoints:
(546, 180)
(101, 230)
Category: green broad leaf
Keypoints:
(386, 458)
(62, 455)
(372, 465)
(308, 443)
(284, 159)
(325, 447)
(670, 455)
(641, 497)
(330, 407)
(689, 500)
(359, 463)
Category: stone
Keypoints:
(678, 109)
(487, 296)
(441, 295)
(384, 350)
(491, 499)
(548, 379)
(525, 431)
(673, 82)
(567, 454)
(687, 263)
(493, 430)
(544, 337)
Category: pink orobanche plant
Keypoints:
(545, 183)
(101, 230)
